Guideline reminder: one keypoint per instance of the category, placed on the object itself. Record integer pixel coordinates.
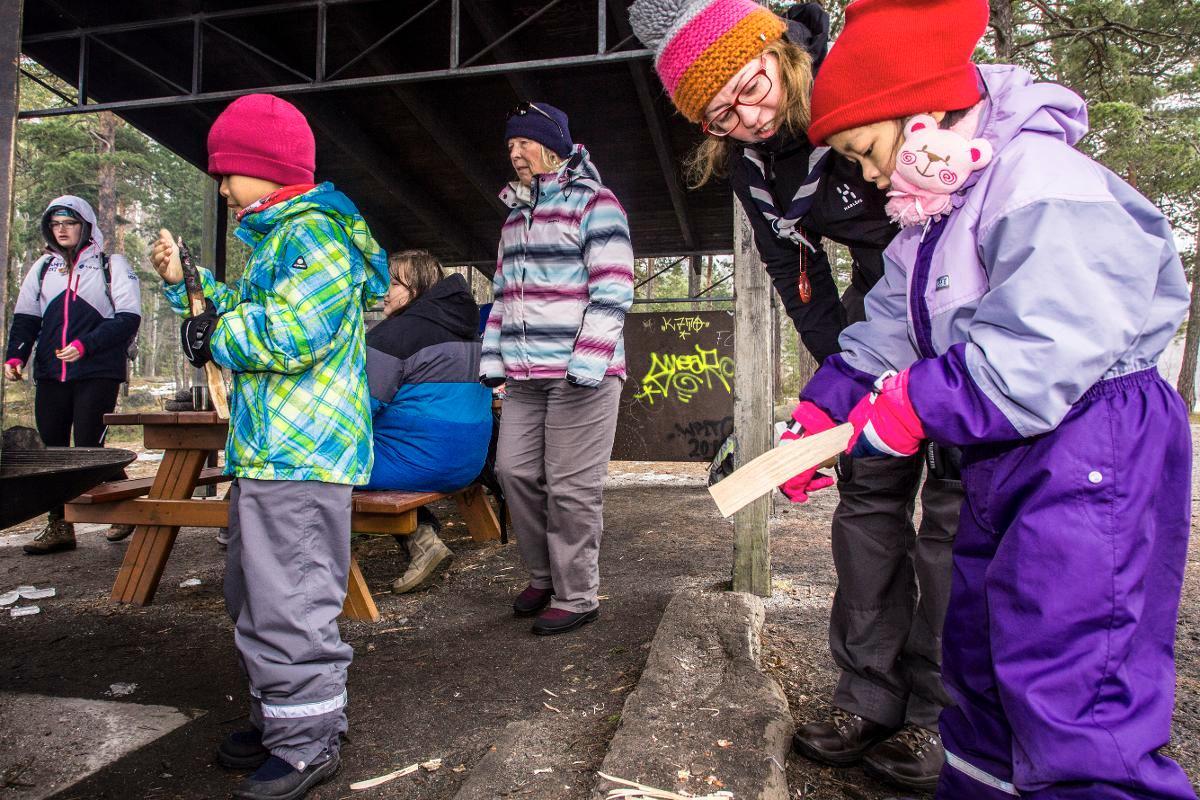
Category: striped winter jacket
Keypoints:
(563, 283)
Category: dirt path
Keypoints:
(443, 672)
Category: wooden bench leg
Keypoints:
(359, 603)
(477, 511)
(151, 545)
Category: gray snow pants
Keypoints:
(552, 459)
(285, 582)
(885, 630)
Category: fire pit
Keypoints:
(34, 481)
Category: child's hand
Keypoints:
(69, 354)
(164, 257)
(12, 370)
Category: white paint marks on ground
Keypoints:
(51, 743)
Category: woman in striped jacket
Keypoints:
(563, 283)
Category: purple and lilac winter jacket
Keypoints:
(563, 283)
(1051, 274)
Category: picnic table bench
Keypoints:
(161, 505)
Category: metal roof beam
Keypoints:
(349, 83)
(181, 19)
(483, 14)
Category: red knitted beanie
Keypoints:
(262, 136)
(896, 58)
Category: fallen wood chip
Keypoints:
(552, 708)
(637, 791)
(382, 779)
(547, 691)
(543, 770)
(432, 765)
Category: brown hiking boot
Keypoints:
(839, 741)
(912, 759)
(118, 532)
(58, 535)
(428, 556)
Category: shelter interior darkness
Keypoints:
(415, 140)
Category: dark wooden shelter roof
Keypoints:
(407, 99)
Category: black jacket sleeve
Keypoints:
(818, 321)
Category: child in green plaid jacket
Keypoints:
(292, 334)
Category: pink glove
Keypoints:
(885, 422)
(807, 419)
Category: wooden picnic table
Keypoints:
(187, 439)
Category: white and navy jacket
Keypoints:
(76, 302)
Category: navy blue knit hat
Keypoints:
(543, 123)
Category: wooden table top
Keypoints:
(166, 418)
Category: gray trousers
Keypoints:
(885, 630)
(285, 582)
(551, 459)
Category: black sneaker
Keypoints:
(276, 779)
(242, 750)
(558, 620)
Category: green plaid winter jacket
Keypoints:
(292, 334)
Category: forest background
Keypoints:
(1136, 62)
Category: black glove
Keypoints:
(195, 332)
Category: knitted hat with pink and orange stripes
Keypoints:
(700, 44)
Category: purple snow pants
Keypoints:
(1059, 641)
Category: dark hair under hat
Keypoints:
(544, 124)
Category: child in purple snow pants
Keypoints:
(1022, 322)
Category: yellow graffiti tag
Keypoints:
(684, 326)
(679, 376)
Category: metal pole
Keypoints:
(753, 400)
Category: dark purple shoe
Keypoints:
(531, 601)
(558, 620)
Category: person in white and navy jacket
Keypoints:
(77, 313)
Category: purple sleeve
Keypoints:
(837, 387)
(951, 406)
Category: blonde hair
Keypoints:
(419, 270)
(709, 159)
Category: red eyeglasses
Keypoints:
(753, 91)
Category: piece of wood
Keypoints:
(358, 604)
(195, 293)
(151, 545)
(771, 469)
(477, 512)
(113, 491)
(390, 502)
(143, 511)
(176, 436)
(753, 402)
(400, 523)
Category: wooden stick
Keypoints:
(195, 292)
(769, 470)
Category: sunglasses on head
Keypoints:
(527, 107)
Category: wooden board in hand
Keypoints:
(751, 481)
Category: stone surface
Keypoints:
(704, 717)
(51, 743)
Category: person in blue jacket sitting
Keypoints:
(432, 417)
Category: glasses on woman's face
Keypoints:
(722, 121)
(64, 224)
(529, 108)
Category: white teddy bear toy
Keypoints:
(932, 163)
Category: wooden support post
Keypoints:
(693, 277)
(753, 399)
(10, 59)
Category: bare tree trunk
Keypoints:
(106, 214)
(1191, 342)
(1002, 23)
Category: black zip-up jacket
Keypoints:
(846, 209)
